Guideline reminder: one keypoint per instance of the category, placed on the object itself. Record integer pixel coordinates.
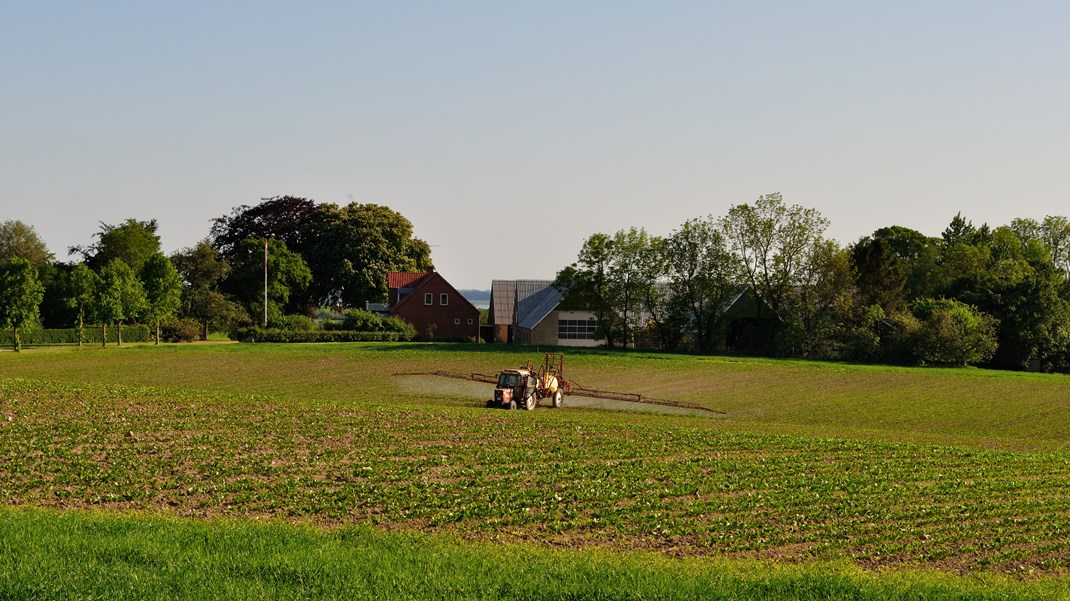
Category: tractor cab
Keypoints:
(514, 386)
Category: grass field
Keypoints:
(964, 472)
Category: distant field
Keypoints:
(962, 471)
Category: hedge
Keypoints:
(38, 336)
(271, 335)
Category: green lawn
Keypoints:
(889, 470)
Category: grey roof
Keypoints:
(535, 300)
(502, 301)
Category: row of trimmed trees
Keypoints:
(317, 255)
(975, 295)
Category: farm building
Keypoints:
(526, 312)
(431, 304)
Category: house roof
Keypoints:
(405, 279)
(535, 299)
(502, 301)
(420, 283)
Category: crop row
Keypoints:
(567, 478)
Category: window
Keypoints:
(456, 321)
(444, 299)
(470, 321)
(429, 299)
(576, 329)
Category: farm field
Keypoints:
(962, 472)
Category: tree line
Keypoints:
(317, 255)
(998, 297)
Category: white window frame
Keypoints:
(429, 299)
(444, 299)
(456, 321)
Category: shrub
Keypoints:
(274, 335)
(38, 335)
(174, 329)
(300, 323)
(362, 321)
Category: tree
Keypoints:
(632, 273)
(953, 333)
(133, 242)
(80, 287)
(702, 275)
(818, 310)
(348, 249)
(773, 241)
(351, 249)
(20, 240)
(287, 272)
(585, 284)
(203, 270)
(775, 244)
(1053, 234)
(119, 297)
(880, 274)
(917, 253)
(283, 218)
(20, 296)
(163, 290)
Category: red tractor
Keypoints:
(524, 387)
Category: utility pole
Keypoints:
(265, 280)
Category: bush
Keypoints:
(38, 335)
(275, 335)
(299, 323)
(362, 321)
(174, 329)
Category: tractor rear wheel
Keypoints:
(558, 398)
(529, 404)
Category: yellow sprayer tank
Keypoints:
(550, 383)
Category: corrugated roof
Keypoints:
(502, 301)
(535, 299)
(404, 279)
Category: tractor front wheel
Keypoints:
(558, 398)
(512, 405)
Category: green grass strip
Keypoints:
(47, 554)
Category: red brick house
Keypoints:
(432, 305)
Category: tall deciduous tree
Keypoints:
(774, 242)
(133, 242)
(163, 290)
(80, 287)
(120, 297)
(879, 274)
(702, 275)
(283, 218)
(586, 284)
(287, 272)
(20, 240)
(633, 273)
(349, 249)
(1053, 233)
(20, 296)
(203, 271)
(352, 248)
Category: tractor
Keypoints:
(524, 387)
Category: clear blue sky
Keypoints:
(508, 132)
